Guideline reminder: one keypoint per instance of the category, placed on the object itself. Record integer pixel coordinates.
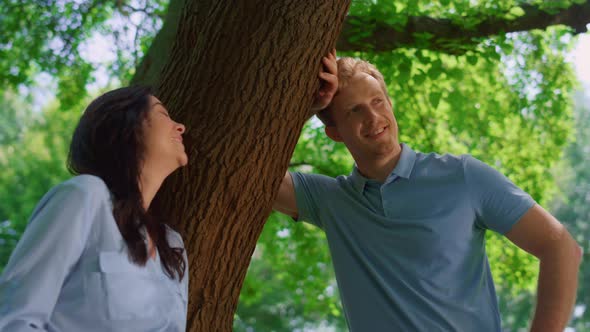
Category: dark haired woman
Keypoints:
(92, 258)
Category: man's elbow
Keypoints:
(560, 245)
(579, 253)
(576, 252)
(573, 254)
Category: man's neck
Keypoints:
(380, 167)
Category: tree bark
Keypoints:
(241, 75)
(148, 71)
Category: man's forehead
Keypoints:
(361, 77)
(357, 86)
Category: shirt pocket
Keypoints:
(131, 291)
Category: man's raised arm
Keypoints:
(285, 201)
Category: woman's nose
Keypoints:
(181, 128)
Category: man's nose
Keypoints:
(371, 115)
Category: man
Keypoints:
(406, 230)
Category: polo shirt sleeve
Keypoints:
(51, 245)
(498, 202)
(310, 191)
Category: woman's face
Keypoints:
(164, 150)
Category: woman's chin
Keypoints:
(183, 160)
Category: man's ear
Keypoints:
(333, 133)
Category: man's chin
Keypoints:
(385, 147)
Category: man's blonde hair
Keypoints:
(347, 68)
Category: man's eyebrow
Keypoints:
(350, 106)
(157, 103)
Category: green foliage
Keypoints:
(51, 44)
(13, 118)
(572, 205)
(50, 36)
(506, 100)
(32, 163)
(290, 284)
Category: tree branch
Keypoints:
(447, 36)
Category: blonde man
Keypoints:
(406, 230)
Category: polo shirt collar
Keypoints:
(405, 165)
(403, 169)
(358, 180)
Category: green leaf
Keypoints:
(419, 79)
(516, 11)
(434, 99)
(434, 73)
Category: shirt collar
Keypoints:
(358, 180)
(405, 165)
(403, 169)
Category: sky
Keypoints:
(580, 56)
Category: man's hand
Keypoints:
(328, 82)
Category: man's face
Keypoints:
(364, 119)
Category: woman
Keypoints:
(92, 257)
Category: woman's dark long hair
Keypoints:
(108, 143)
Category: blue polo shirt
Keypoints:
(409, 253)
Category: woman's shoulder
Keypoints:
(71, 204)
(82, 188)
(86, 184)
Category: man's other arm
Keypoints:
(286, 202)
(541, 235)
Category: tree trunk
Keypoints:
(241, 75)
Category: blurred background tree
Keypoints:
(489, 78)
(572, 205)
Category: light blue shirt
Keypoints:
(70, 271)
(409, 253)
